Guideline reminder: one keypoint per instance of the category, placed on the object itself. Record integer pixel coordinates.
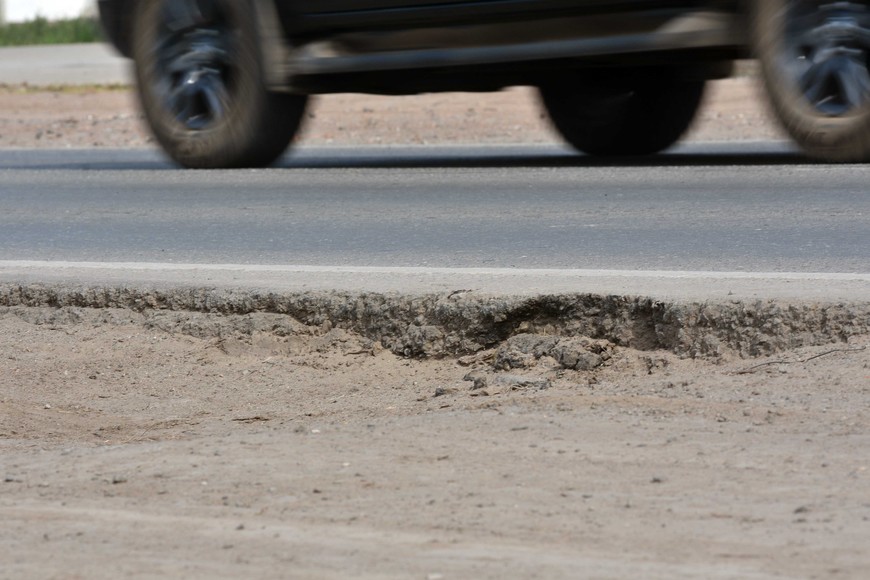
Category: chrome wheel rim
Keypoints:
(827, 54)
(195, 51)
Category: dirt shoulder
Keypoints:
(312, 452)
(81, 117)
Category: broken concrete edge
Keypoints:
(462, 323)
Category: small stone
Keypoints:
(515, 382)
(479, 381)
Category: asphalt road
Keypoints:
(750, 219)
(705, 209)
(736, 207)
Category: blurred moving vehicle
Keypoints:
(224, 83)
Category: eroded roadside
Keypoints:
(329, 437)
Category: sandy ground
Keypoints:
(127, 450)
(100, 118)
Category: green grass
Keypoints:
(25, 89)
(42, 31)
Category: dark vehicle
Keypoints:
(224, 83)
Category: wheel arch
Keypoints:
(117, 19)
(274, 43)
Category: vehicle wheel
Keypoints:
(814, 58)
(610, 115)
(201, 84)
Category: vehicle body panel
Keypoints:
(617, 77)
(318, 44)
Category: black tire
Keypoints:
(814, 58)
(201, 84)
(623, 115)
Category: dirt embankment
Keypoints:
(174, 444)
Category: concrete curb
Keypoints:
(461, 323)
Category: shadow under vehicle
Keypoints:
(224, 83)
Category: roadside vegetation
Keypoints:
(42, 31)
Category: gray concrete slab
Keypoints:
(64, 64)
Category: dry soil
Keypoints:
(96, 117)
